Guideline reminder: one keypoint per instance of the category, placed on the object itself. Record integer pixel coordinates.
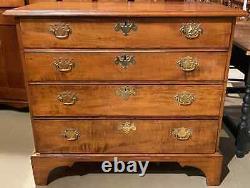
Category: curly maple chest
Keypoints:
(132, 80)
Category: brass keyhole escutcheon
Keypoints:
(127, 127)
(125, 92)
(125, 60)
(125, 27)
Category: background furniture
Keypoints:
(12, 89)
(241, 60)
(243, 4)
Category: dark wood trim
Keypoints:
(236, 89)
(14, 105)
(123, 117)
(122, 50)
(243, 128)
(125, 82)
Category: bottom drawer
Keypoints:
(125, 136)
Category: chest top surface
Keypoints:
(128, 9)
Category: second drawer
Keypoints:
(125, 136)
(126, 65)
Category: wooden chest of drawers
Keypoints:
(128, 80)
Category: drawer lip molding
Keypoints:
(104, 66)
(120, 50)
(119, 117)
(164, 33)
(124, 118)
(134, 82)
(93, 136)
(102, 100)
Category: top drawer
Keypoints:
(126, 33)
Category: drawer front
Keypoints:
(125, 136)
(123, 33)
(125, 100)
(126, 65)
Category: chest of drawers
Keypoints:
(129, 80)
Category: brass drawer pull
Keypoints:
(60, 31)
(125, 27)
(124, 60)
(125, 92)
(127, 127)
(67, 98)
(191, 30)
(63, 65)
(188, 64)
(71, 134)
(182, 133)
(184, 98)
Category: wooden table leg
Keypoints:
(243, 128)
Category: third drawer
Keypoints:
(125, 100)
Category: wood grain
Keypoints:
(104, 136)
(101, 100)
(151, 33)
(149, 65)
